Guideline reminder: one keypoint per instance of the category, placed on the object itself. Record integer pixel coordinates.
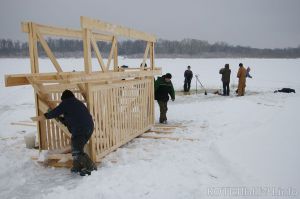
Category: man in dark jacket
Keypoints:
(225, 79)
(163, 88)
(188, 76)
(75, 115)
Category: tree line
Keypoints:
(186, 48)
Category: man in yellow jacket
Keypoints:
(242, 80)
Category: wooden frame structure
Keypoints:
(120, 100)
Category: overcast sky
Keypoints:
(255, 23)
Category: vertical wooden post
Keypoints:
(152, 64)
(87, 54)
(116, 54)
(33, 54)
(89, 96)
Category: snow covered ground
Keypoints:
(245, 145)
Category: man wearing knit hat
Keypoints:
(77, 118)
(164, 88)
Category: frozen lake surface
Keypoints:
(242, 142)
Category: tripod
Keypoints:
(197, 80)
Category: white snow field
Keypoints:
(245, 147)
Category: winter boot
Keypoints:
(77, 166)
(88, 163)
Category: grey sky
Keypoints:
(255, 23)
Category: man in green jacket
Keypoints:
(163, 88)
(225, 72)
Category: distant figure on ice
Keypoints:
(77, 118)
(188, 76)
(163, 88)
(248, 72)
(225, 72)
(242, 80)
(145, 66)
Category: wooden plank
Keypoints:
(145, 55)
(116, 64)
(63, 32)
(115, 29)
(96, 109)
(159, 132)
(105, 118)
(98, 54)
(112, 49)
(31, 45)
(90, 105)
(55, 31)
(168, 138)
(87, 54)
(22, 124)
(152, 56)
(33, 54)
(109, 119)
(58, 156)
(76, 77)
(49, 52)
(115, 116)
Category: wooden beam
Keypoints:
(146, 55)
(98, 54)
(77, 77)
(152, 56)
(87, 55)
(63, 32)
(39, 90)
(94, 77)
(23, 124)
(168, 138)
(159, 132)
(115, 29)
(49, 52)
(116, 64)
(55, 31)
(112, 49)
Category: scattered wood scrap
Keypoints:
(23, 124)
(168, 138)
(165, 129)
(55, 160)
(157, 131)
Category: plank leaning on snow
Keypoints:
(169, 138)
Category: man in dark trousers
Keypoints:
(188, 76)
(163, 88)
(75, 115)
(225, 72)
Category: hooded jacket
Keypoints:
(163, 89)
(76, 115)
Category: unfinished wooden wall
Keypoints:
(121, 112)
(121, 101)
